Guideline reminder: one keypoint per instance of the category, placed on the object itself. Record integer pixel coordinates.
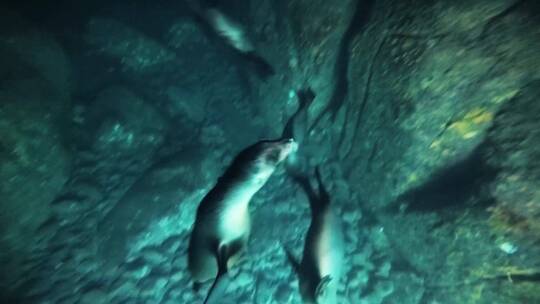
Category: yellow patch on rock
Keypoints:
(504, 97)
(471, 124)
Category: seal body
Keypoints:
(222, 217)
(229, 30)
(321, 266)
(236, 36)
(233, 34)
(322, 262)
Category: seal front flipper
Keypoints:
(305, 97)
(321, 287)
(196, 286)
(324, 196)
(222, 280)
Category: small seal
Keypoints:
(233, 34)
(320, 270)
(222, 225)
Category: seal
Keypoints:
(222, 224)
(321, 266)
(232, 33)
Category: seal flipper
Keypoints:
(305, 96)
(324, 197)
(321, 287)
(305, 184)
(196, 286)
(259, 64)
(222, 280)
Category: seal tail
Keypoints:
(222, 280)
(218, 289)
(219, 286)
(261, 66)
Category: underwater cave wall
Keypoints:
(34, 158)
(429, 86)
(415, 102)
(425, 124)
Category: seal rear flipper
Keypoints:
(260, 65)
(218, 289)
(222, 280)
(196, 286)
(219, 286)
(302, 180)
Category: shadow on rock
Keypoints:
(451, 187)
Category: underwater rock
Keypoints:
(121, 125)
(153, 256)
(93, 296)
(416, 89)
(34, 161)
(157, 193)
(171, 244)
(192, 46)
(319, 34)
(181, 104)
(514, 149)
(31, 53)
(381, 291)
(136, 52)
(426, 87)
(408, 288)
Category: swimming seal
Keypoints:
(232, 33)
(320, 270)
(222, 225)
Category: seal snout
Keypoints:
(276, 151)
(286, 147)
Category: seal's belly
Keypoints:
(234, 220)
(235, 223)
(329, 248)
